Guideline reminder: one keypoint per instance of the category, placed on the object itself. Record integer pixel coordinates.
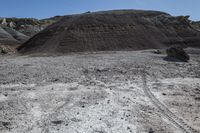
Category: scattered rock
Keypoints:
(5, 124)
(55, 80)
(197, 98)
(75, 120)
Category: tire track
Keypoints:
(165, 111)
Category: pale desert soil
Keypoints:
(99, 93)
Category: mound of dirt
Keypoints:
(113, 30)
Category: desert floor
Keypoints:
(104, 92)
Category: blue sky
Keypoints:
(48, 8)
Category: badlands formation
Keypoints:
(114, 30)
(103, 72)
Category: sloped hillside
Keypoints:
(8, 43)
(113, 30)
(16, 34)
(29, 26)
(15, 31)
(196, 25)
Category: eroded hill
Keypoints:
(15, 31)
(113, 30)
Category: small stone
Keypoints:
(57, 122)
(151, 130)
(157, 51)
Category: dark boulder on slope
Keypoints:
(113, 30)
(178, 53)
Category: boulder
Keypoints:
(178, 53)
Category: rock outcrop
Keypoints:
(113, 30)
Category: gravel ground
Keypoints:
(99, 93)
